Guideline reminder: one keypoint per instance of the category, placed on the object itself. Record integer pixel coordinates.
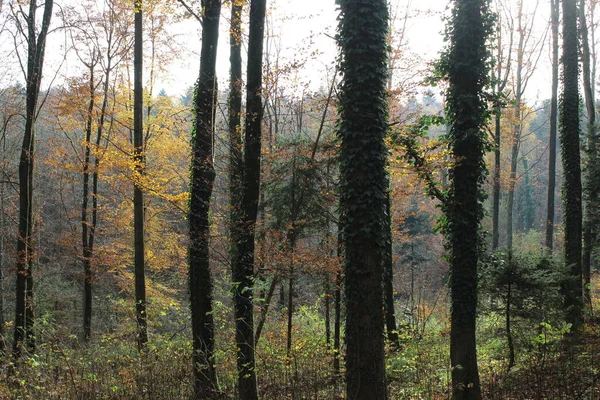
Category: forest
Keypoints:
(353, 199)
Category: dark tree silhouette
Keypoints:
(466, 68)
(202, 180)
(362, 38)
(569, 140)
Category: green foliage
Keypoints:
(533, 280)
(295, 186)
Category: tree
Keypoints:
(388, 278)
(138, 195)
(527, 54)
(592, 165)
(554, 12)
(501, 79)
(97, 43)
(465, 66)
(36, 46)
(202, 179)
(244, 227)
(569, 139)
(362, 38)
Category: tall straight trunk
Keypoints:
(235, 112)
(89, 224)
(569, 138)
(202, 180)
(3, 345)
(363, 30)
(591, 188)
(87, 250)
(467, 74)
(327, 290)
(388, 279)
(290, 312)
(24, 316)
(554, 4)
(138, 195)
(516, 131)
(496, 179)
(509, 336)
(501, 81)
(245, 225)
(337, 321)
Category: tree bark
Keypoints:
(24, 316)
(516, 131)
(87, 250)
(363, 29)
(388, 279)
(592, 168)
(467, 76)
(337, 323)
(501, 81)
(139, 166)
(202, 180)
(554, 4)
(569, 137)
(245, 225)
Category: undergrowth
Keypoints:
(551, 363)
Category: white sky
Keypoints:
(302, 28)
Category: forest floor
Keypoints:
(569, 371)
(551, 364)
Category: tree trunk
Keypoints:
(327, 290)
(24, 316)
(591, 195)
(337, 322)
(363, 29)
(138, 196)
(516, 131)
(388, 279)
(467, 76)
(235, 111)
(245, 225)
(290, 312)
(569, 137)
(496, 180)
(3, 346)
(501, 81)
(265, 309)
(554, 4)
(87, 251)
(509, 336)
(202, 179)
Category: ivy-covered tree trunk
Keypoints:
(466, 68)
(202, 179)
(36, 46)
(592, 166)
(363, 30)
(244, 227)
(554, 12)
(138, 195)
(569, 138)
